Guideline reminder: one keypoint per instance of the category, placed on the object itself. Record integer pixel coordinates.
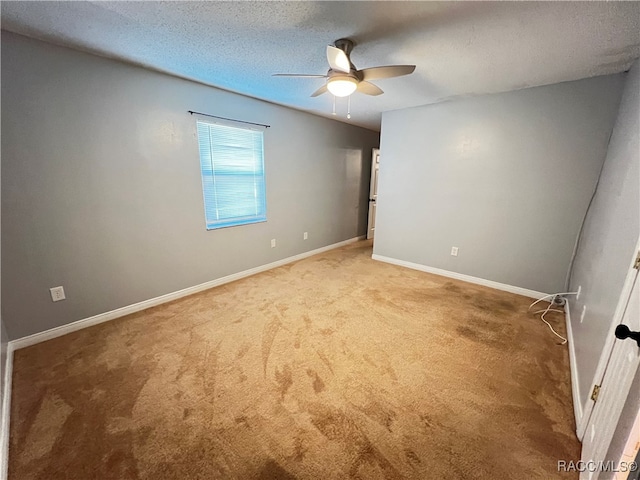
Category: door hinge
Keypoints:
(594, 394)
(636, 265)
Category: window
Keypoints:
(232, 167)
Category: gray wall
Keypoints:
(609, 237)
(3, 364)
(3, 385)
(101, 189)
(505, 177)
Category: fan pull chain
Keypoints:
(334, 105)
(349, 106)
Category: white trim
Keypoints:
(6, 414)
(460, 276)
(573, 365)
(136, 307)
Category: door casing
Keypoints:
(373, 192)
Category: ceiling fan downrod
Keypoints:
(345, 45)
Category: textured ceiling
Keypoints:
(460, 48)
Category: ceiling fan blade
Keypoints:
(390, 71)
(369, 89)
(319, 91)
(301, 75)
(338, 60)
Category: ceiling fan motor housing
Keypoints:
(345, 45)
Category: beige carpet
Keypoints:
(333, 367)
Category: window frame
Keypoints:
(261, 187)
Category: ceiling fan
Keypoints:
(343, 78)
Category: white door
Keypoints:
(615, 386)
(631, 453)
(373, 191)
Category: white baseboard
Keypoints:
(575, 385)
(460, 276)
(6, 415)
(136, 307)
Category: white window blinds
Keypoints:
(232, 167)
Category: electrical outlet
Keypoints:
(57, 294)
(454, 251)
(305, 235)
(584, 311)
(273, 243)
(579, 290)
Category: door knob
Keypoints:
(622, 332)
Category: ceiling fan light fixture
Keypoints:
(342, 86)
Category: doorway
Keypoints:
(373, 192)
